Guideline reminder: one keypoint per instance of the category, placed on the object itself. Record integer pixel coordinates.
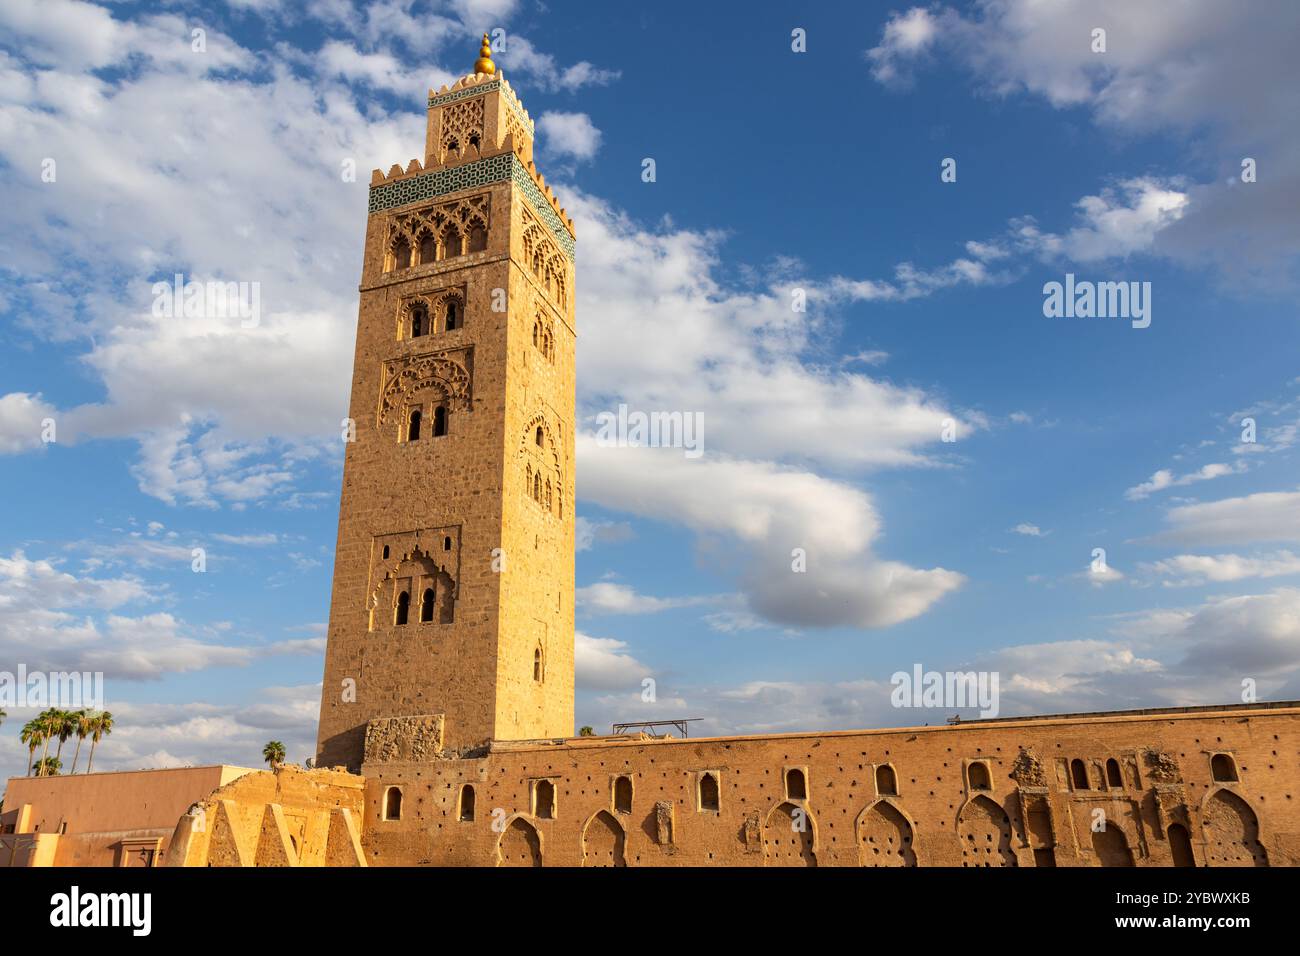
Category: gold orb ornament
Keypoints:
(484, 62)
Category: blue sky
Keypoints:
(778, 173)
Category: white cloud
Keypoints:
(1193, 67)
(602, 663)
(771, 511)
(1195, 569)
(607, 597)
(1262, 517)
(52, 620)
(1029, 530)
(1164, 478)
(569, 134)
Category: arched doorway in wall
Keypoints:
(788, 837)
(1180, 845)
(519, 845)
(985, 833)
(1232, 832)
(885, 837)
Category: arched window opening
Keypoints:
(537, 335)
(452, 320)
(403, 608)
(385, 552)
(474, 140)
(419, 325)
(393, 804)
(451, 243)
(413, 425)
(537, 487)
(886, 782)
(537, 436)
(1180, 844)
(426, 606)
(1113, 778)
(979, 776)
(623, 794)
(796, 787)
(401, 254)
(1079, 775)
(1223, 769)
(453, 147)
(439, 421)
(708, 792)
(537, 665)
(467, 804)
(477, 238)
(428, 248)
(548, 494)
(545, 800)
(446, 543)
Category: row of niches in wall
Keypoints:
(436, 233)
(1098, 775)
(548, 264)
(544, 338)
(431, 314)
(542, 475)
(416, 586)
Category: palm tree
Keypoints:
(49, 727)
(32, 735)
(81, 726)
(64, 725)
(49, 767)
(101, 725)
(273, 753)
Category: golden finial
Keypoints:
(484, 62)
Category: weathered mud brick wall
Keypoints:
(289, 817)
(1209, 787)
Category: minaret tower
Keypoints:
(454, 571)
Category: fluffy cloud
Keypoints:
(602, 663)
(569, 134)
(1266, 516)
(1194, 569)
(1190, 67)
(53, 620)
(772, 511)
(608, 597)
(1164, 478)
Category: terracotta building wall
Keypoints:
(1161, 780)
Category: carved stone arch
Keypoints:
(435, 377)
(1232, 833)
(442, 300)
(604, 841)
(1112, 846)
(784, 842)
(528, 440)
(886, 835)
(424, 242)
(520, 842)
(476, 233)
(984, 829)
(445, 588)
(452, 239)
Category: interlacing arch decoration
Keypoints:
(413, 589)
(437, 232)
(543, 475)
(462, 129)
(438, 379)
(544, 337)
(546, 262)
